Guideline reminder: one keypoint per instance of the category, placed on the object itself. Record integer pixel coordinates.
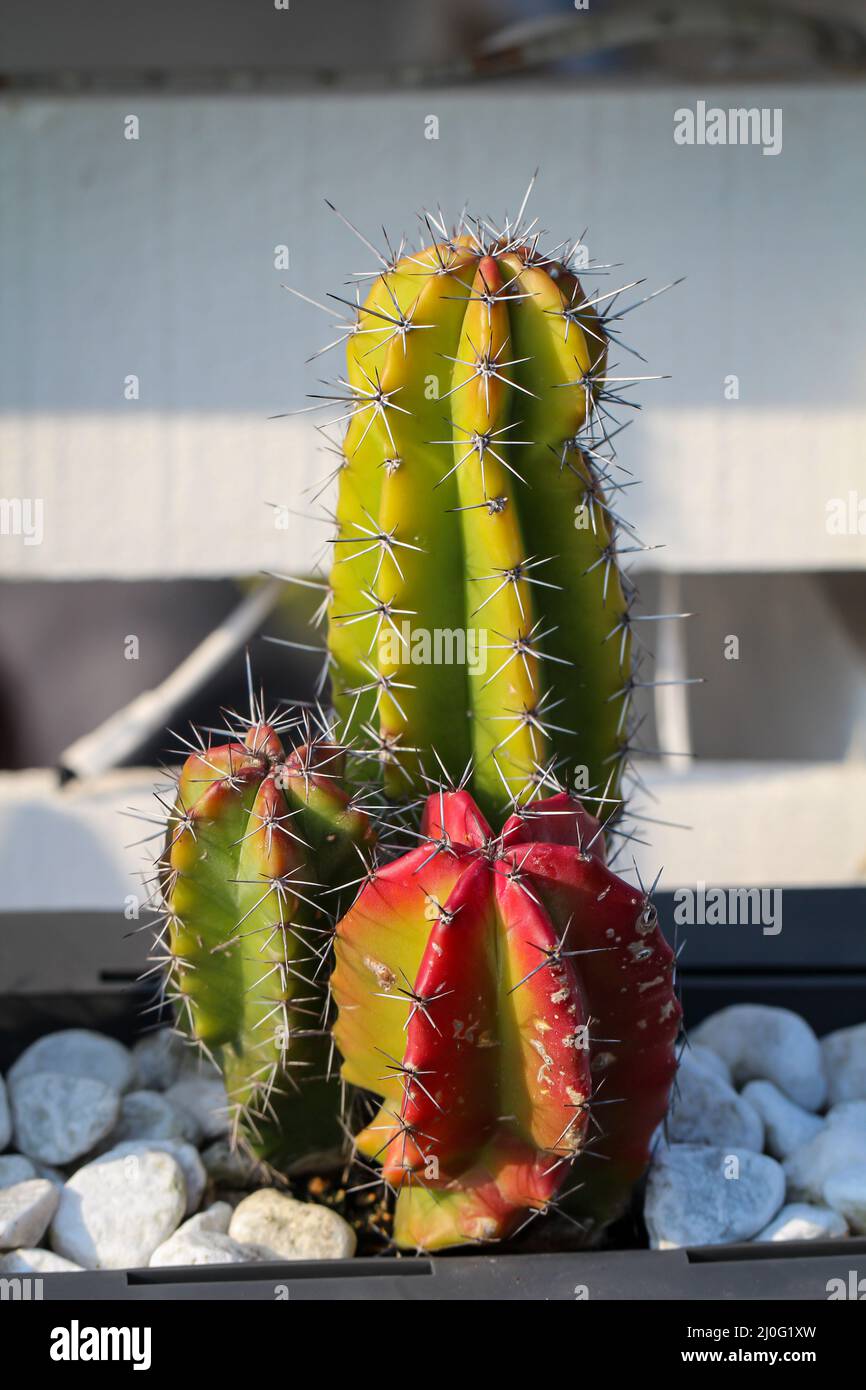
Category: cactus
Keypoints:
(480, 630)
(257, 841)
(511, 1001)
(477, 614)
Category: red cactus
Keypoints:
(530, 983)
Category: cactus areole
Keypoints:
(477, 614)
(511, 1002)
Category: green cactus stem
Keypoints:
(257, 841)
(473, 522)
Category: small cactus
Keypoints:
(258, 840)
(511, 1001)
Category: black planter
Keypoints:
(78, 970)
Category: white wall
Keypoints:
(155, 257)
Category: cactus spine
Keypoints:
(257, 840)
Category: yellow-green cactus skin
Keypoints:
(477, 616)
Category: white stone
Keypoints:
(804, 1221)
(786, 1126)
(845, 1063)
(705, 1057)
(5, 1117)
(204, 1099)
(216, 1217)
(58, 1117)
(77, 1052)
(36, 1261)
(115, 1212)
(147, 1115)
(845, 1192)
(850, 1113)
(15, 1168)
(203, 1248)
(157, 1059)
(195, 1176)
(763, 1043)
(204, 1239)
(292, 1230)
(706, 1110)
(799, 1221)
(25, 1211)
(840, 1144)
(693, 1197)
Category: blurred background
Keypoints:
(165, 169)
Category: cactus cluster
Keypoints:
(505, 997)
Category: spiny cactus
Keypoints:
(477, 612)
(511, 1001)
(258, 840)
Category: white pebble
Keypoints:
(36, 1261)
(114, 1213)
(204, 1239)
(216, 1217)
(77, 1052)
(147, 1115)
(762, 1043)
(204, 1099)
(203, 1248)
(195, 1176)
(840, 1144)
(845, 1192)
(25, 1211)
(292, 1230)
(157, 1059)
(705, 1057)
(799, 1221)
(710, 1196)
(58, 1117)
(787, 1126)
(845, 1063)
(707, 1110)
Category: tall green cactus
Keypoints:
(257, 841)
(477, 613)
